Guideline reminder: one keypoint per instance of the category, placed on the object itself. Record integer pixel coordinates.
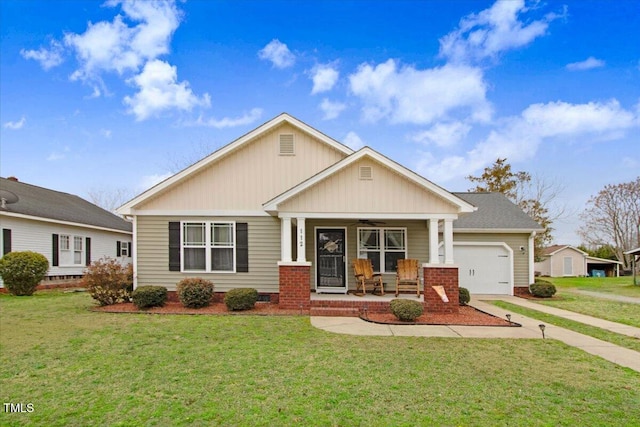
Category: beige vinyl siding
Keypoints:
(250, 176)
(543, 267)
(385, 192)
(417, 245)
(577, 262)
(264, 253)
(514, 241)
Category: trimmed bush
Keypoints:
(108, 281)
(241, 299)
(406, 310)
(22, 271)
(542, 289)
(149, 296)
(464, 296)
(195, 292)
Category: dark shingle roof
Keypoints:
(45, 203)
(495, 211)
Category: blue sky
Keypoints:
(100, 96)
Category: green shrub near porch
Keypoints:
(406, 310)
(241, 299)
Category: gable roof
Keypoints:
(126, 209)
(495, 212)
(54, 205)
(553, 249)
(272, 205)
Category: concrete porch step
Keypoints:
(335, 311)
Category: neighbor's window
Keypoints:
(208, 251)
(77, 250)
(383, 246)
(64, 242)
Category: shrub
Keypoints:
(108, 281)
(464, 296)
(149, 296)
(195, 292)
(241, 299)
(406, 310)
(22, 271)
(542, 289)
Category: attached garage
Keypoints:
(484, 267)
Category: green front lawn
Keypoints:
(81, 368)
(612, 285)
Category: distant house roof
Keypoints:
(54, 205)
(551, 250)
(495, 212)
(635, 251)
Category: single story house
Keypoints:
(68, 230)
(566, 260)
(285, 209)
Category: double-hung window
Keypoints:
(71, 249)
(383, 246)
(208, 246)
(77, 250)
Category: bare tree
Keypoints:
(178, 161)
(109, 198)
(613, 217)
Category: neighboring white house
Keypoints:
(567, 261)
(285, 205)
(68, 230)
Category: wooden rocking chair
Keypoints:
(365, 276)
(408, 278)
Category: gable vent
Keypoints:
(286, 145)
(366, 172)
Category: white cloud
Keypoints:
(587, 64)
(227, 122)
(492, 31)
(630, 163)
(519, 138)
(330, 109)
(106, 133)
(278, 53)
(48, 58)
(15, 125)
(324, 78)
(353, 141)
(116, 46)
(443, 134)
(159, 91)
(409, 95)
(55, 156)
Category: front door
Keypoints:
(331, 260)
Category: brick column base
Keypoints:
(295, 287)
(447, 277)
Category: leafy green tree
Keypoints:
(534, 196)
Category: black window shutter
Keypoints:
(6, 241)
(130, 249)
(54, 258)
(242, 247)
(88, 252)
(174, 246)
(118, 250)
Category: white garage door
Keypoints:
(484, 269)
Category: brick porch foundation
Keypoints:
(447, 277)
(295, 287)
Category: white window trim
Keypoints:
(208, 246)
(383, 249)
(125, 249)
(71, 250)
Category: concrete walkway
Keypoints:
(530, 329)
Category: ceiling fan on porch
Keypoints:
(368, 223)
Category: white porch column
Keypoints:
(433, 241)
(285, 239)
(448, 241)
(302, 257)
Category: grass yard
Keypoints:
(82, 368)
(625, 313)
(613, 285)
